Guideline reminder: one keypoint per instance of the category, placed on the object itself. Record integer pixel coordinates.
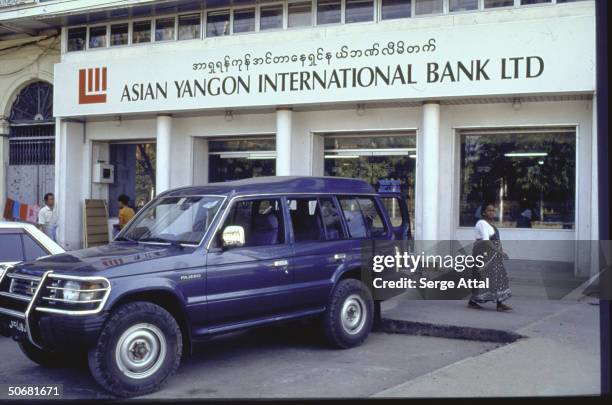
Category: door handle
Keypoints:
(339, 256)
(282, 264)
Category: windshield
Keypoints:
(173, 220)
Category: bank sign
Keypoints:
(515, 58)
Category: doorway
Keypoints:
(135, 167)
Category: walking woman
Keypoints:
(489, 245)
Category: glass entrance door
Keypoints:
(374, 158)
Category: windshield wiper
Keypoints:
(161, 240)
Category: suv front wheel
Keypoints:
(349, 315)
(139, 347)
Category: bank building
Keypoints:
(455, 101)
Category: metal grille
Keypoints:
(32, 145)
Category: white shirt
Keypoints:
(484, 230)
(47, 216)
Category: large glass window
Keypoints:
(428, 7)
(271, 17)
(329, 11)
(189, 26)
(164, 29)
(391, 9)
(527, 2)
(358, 11)
(244, 20)
(97, 37)
(299, 14)
(463, 5)
(119, 34)
(375, 158)
(235, 159)
(529, 175)
(261, 219)
(141, 32)
(217, 23)
(76, 39)
(498, 3)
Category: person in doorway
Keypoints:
(47, 217)
(125, 211)
(488, 244)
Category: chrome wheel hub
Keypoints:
(140, 351)
(353, 314)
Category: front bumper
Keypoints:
(57, 332)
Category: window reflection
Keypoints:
(358, 11)
(498, 3)
(164, 29)
(141, 32)
(217, 23)
(299, 14)
(244, 20)
(97, 37)
(189, 26)
(271, 17)
(395, 9)
(463, 5)
(119, 34)
(328, 12)
(528, 175)
(428, 7)
(76, 39)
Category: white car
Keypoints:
(20, 241)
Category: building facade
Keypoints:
(458, 102)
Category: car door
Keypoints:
(319, 247)
(254, 280)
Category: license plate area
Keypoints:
(15, 327)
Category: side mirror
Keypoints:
(233, 236)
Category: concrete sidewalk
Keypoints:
(559, 356)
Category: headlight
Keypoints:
(73, 294)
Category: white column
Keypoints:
(163, 152)
(4, 146)
(429, 153)
(70, 160)
(283, 142)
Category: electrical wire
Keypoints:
(43, 53)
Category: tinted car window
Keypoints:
(262, 221)
(362, 217)
(393, 207)
(11, 249)
(331, 219)
(306, 219)
(32, 250)
(374, 220)
(354, 218)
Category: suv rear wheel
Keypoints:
(350, 314)
(139, 347)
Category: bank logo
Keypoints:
(92, 85)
